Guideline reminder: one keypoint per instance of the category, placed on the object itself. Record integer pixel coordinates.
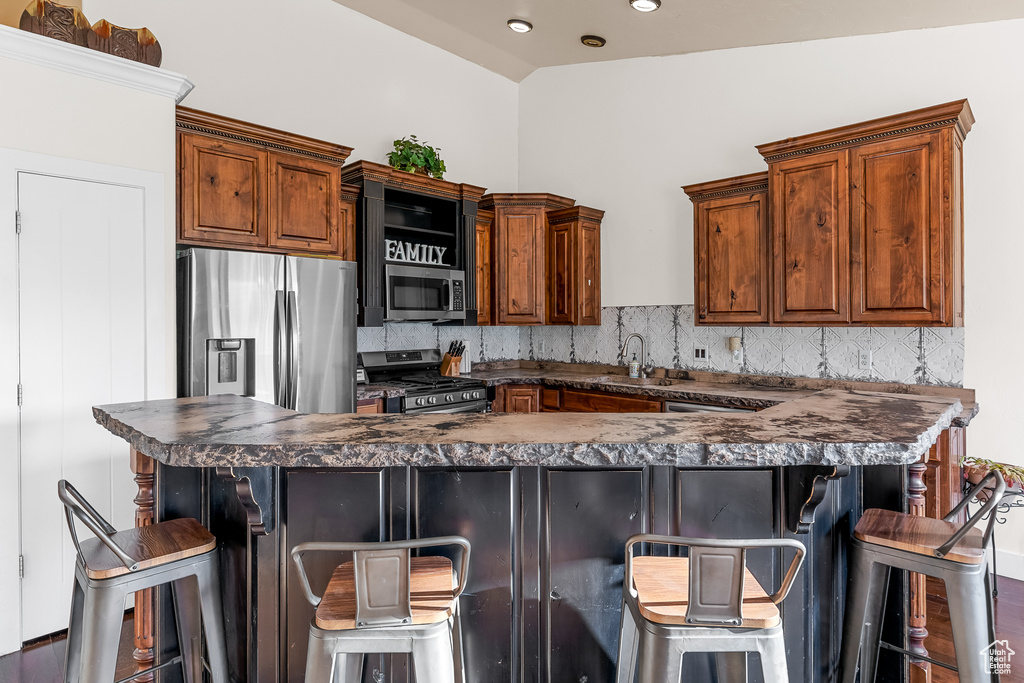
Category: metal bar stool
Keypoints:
(956, 554)
(386, 601)
(707, 602)
(116, 563)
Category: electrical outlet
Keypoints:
(864, 359)
(700, 354)
(540, 346)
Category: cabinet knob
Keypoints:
(588, 283)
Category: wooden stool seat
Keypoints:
(430, 588)
(662, 586)
(921, 535)
(151, 545)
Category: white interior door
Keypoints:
(82, 342)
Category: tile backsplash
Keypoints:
(909, 355)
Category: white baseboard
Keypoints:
(1010, 564)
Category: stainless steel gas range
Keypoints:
(426, 390)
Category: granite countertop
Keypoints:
(741, 391)
(366, 391)
(831, 427)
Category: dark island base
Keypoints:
(543, 599)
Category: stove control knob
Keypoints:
(449, 398)
(476, 394)
(421, 401)
(432, 400)
(466, 396)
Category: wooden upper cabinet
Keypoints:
(520, 254)
(810, 238)
(897, 241)
(574, 266)
(484, 271)
(303, 204)
(867, 221)
(250, 187)
(730, 220)
(222, 189)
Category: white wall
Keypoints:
(316, 68)
(55, 113)
(623, 136)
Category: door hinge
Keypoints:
(21, 566)
(17, 222)
(21, 394)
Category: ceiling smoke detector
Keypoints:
(520, 25)
(645, 5)
(593, 41)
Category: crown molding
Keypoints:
(54, 54)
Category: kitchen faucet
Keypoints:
(645, 368)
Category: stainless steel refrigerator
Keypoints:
(281, 329)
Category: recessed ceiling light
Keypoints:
(593, 41)
(645, 5)
(520, 26)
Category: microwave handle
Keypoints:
(448, 294)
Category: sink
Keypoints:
(636, 381)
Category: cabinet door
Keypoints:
(582, 401)
(370, 405)
(517, 398)
(810, 237)
(484, 268)
(304, 204)
(221, 192)
(897, 250)
(590, 275)
(732, 259)
(562, 273)
(520, 265)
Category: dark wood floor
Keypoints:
(1009, 625)
(43, 661)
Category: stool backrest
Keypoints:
(717, 568)
(75, 505)
(382, 576)
(995, 496)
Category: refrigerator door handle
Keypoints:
(293, 352)
(281, 382)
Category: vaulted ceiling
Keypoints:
(476, 29)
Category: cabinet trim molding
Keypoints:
(957, 114)
(362, 170)
(242, 131)
(74, 59)
(727, 187)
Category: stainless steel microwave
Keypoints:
(425, 294)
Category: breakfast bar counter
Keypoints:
(547, 501)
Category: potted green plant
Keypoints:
(416, 157)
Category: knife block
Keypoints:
(450, 365)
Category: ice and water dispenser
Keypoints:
(231, 367)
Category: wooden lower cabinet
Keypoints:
(516, 398)
(586, 401)
(370, 405)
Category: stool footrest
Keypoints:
(915, 655)
(173, 660)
